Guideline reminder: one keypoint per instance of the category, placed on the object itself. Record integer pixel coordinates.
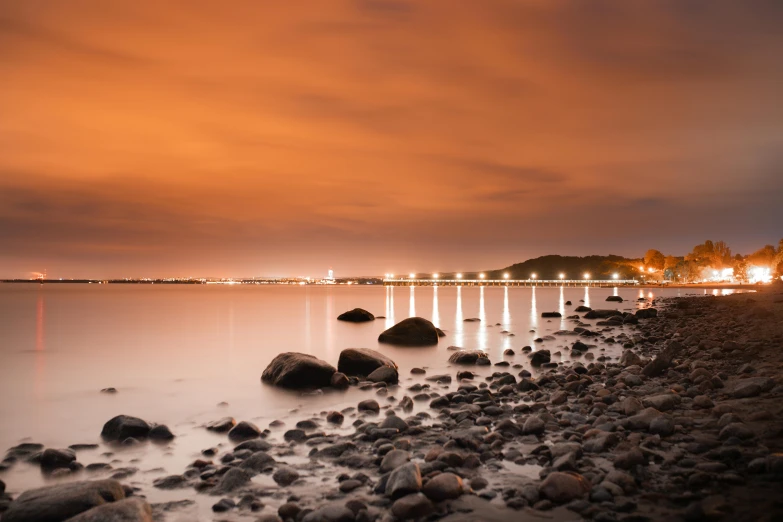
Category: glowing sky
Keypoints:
(258, 137)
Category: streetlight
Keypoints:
(533, 276)
(615, 276)
(435, 276)
(411, 275)
(459, 276)
(562, 276)
(505, 276)
(587, 276)
(482, 276)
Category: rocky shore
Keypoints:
(687, 424)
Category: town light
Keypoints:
(391, 276)
(562, 276)
(482, 276)
(587, 276)
(615, 276)
(411, 275)
(651, 270)
(505, 276)
(459, 276)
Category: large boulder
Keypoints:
(122, 427)
(134, 509)
(614, 299)
(647, 313)
(361, 362)
(468, 357)
(298, 370)
(404, 480)
(413, 331)
(540, 357)
(602, 314)
(445, 486)
(62, 501)
(357, 315)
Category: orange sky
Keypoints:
(279, 138)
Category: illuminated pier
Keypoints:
(508, 282)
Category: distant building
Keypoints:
(330, 276)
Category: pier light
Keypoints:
(391, 276)
(459, 276)
(615, 276)
(411, 275)
(435, 276)
(505, 276)
(562, 276)
(482, 276)
(587, 276)
(533, 276)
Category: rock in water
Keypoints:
(663, 360)
(339, 381)
(550, 315)
(467, 357)
(443, 487)
(602, 314)
(563, 487)
(412, 507)
(297, 371)
(53, 459)
(134, 509)
(357, 315)
(223, 425)
(615, 299)
(361, 362)
(628, 358)
(385, 374)
(244, 431)
(540, 357)
(413, 331)
(122, 427)
(62, 501)
(647, 313)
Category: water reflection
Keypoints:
(329, 323)
(459, 326)
(587, 296)
(482, 333)
(533, 312)
(506, 313)
(308, 335)
(435, 313)
(562, 308)
(40, 345)
(389, 306)
(614, 292)
(412, 311)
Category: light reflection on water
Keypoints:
(459, 325)
(435, 314)
(412, 310)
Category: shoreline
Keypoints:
(698, 441)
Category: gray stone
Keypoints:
(244, 431)
(360, 362)
(468, 357)
(122, 427)
(533, 426)
(413, 331)
(357, 315)
(445, 486)
(62, 501)
(563, 487)
(285, 476)
(298, 371)
(663, 402)
(231, 480)
(404, 480)
(394, 459)
(258, 461)
(414, 506)
(385, 374)
(663, 360)
(134, 509)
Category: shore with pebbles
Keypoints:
(686, 425)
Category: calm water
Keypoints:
(175, 352)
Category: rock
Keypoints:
(171, 482)
(508, 351)
(751, 387)
(369, 405)
(285, 476)
(478, 483)
(703, 402)
(360, 362)
(735, 430)
(109, 390)
(540, 357)
(122, 427)
(394, 459)
(52, 459)
(603, 314)
(62, 501)
(297, 371)
(357, 315)
(339, 381)
(629, 459)
(550, 315)
(335, 417)
(663, 360)
(413, 331)
(582, 308)
(223, 425)
(223, 505)
(258, 461)
(406, 403)
(295, 435)
(662, 402)
(646, 313)
(253, 445)
(160, 432)
(628, 358)
(330, 513)
(231, 480)
(418, 371)
(445, 486)
(385, 374)
(533, 426)
(410, 507)
(562, 487)
(394, 422)
(346, 486)
(134, 509)
(642, 420)
(404, 480)
(244, 431)
(467, 357)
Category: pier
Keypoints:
(510, 282)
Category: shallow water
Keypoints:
(175, 352)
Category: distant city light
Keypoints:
(587, 276)
(651, 269)
(615, 276)
(459, 276)
(562, 276)
(505, 276)
(482, 276)
(641, 268)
